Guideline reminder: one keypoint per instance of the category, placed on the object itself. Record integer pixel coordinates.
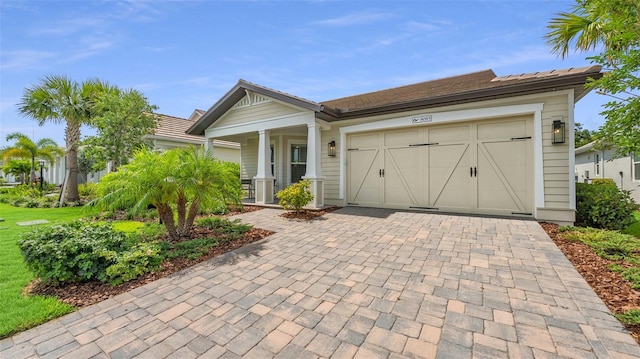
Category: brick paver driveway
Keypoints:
(365, 283)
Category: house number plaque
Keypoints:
(421, 119)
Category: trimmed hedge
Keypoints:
(603, 205)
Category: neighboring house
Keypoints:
(624, 171)
(169, 134)
(475, 143)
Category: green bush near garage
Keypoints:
(602, 205)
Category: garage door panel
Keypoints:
(402, 138)
(363, 176)
(502, 177)
(449, 180)
(429, 166)
(502, 129)
(402, 176)
(446, 134)
(363, 141)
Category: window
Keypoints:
(298, 162)
(636, 166)
(273, 161)
(597, 164)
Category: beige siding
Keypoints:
(227, 154)
(249, 159)
(257, 112)
(555, 157)
(331, 165)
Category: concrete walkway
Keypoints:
(364, 283)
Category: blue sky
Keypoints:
(185, 55)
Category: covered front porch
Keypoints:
(276, 158)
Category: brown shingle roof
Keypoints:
(417, 91)
(174, 128)
(441, 88)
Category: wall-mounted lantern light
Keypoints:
(332, 149)
(558, 131)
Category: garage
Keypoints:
(465, 167)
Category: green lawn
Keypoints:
(19, 312)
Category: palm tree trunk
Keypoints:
(72, 137)
(166, 215)
(193, 212)
(181, 207)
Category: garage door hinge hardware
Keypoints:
(381, 173)
(522, 213)
(352, 204)
(431, 208)
(520, 138)
(424, 144)
(352, 149)
(473, 171)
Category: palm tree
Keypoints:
(591, 23)
(184, 179)
(24, 147)
(59, 99)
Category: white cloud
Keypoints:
(23, 59)
(68, 26)
(354, 19)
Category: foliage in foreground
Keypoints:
(630, 317)
(295, 196)
(634, 229)
(81, 251)
(184, 179)
(615, 25)
(621, 248)
(21, 312)
(604, 206)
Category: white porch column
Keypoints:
(314, 166)
(264, 178)
(208, 146)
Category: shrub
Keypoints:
(603, 181)
(229, 230)
(630, 317)
(295, 196)
(603, 205)
(80, 251)
(88, 190)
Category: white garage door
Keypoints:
(479, 167)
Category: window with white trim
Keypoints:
(298, 162)
(597, 158)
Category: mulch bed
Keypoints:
(88, 293)
(612, 289)
(307, 215)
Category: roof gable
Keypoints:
(236, 95)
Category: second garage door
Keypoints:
(479, 167)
